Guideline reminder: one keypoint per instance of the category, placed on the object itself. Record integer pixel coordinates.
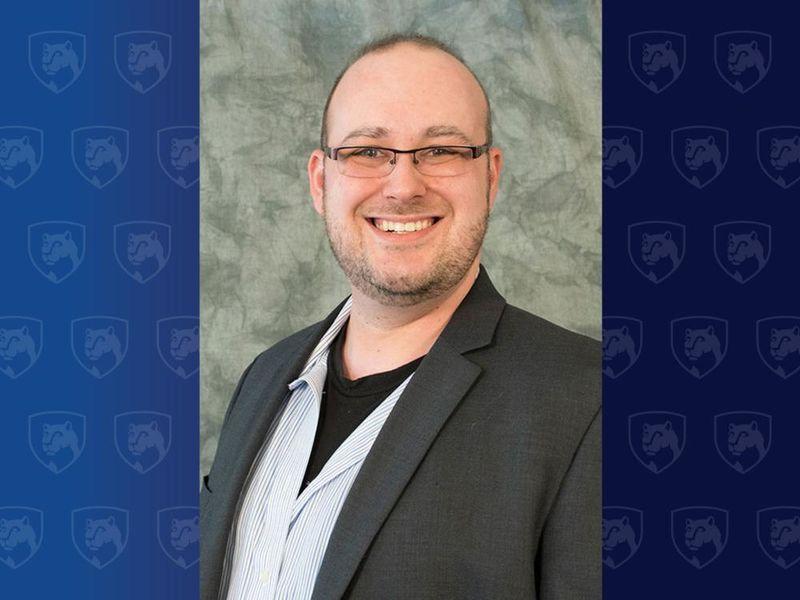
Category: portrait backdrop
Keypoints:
(266, 69)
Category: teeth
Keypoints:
(385, 225)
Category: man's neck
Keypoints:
(381, 338)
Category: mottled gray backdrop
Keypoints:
(266, 68)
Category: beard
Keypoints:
(390, 289)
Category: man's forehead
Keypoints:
(403, 86)
(377, 132)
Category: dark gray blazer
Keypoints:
(483, 483)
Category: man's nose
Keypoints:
(405, 181)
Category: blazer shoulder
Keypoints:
(547, 341)
(563, 366)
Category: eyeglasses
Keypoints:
(375, 161)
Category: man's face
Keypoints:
(406, 97)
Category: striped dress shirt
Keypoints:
(280, 537)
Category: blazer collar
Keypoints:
(443, 378)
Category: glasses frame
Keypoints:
(332, 152)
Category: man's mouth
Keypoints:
(405, 226)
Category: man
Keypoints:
(425, 440)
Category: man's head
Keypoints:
(406, 92)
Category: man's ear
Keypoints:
(316, 178)
(495, 168)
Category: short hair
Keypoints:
(389, 41)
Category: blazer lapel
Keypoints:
(441, 381)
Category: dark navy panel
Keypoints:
(701, 208)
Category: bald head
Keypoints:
(401, 72)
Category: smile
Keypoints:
(404, 226)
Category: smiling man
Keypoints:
(426, 439)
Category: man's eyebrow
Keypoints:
(369, 132)
(447, 131)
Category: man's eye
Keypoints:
(368, 153)
(442, 151)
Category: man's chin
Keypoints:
(401, 289)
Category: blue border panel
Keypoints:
(99, 310)
(701, 332)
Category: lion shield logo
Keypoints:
(699, 533)
(100, 153)
(622, 154)
(20, 344)
(57, 439)
(142, 248)
(699, 343)
(742, 248)
(21, 529)
(179, 534)
(56, 248)
(179, 154)
(57, 58)
(179, 344)
(623, 528)
(142, 58)
(656, 58)
(742, 58)
(699, 153)
(779, 154)
(142, 439)
(656, 439)
(100, 533)
(778, 340)
(656, 248)
(778, 531)
(21, 150)
(742, 439)
(622, 344)
(99, 343)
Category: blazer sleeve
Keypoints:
(569, 561)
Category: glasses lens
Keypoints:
(364, 161)
(444, 161)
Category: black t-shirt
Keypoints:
(346, 403)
